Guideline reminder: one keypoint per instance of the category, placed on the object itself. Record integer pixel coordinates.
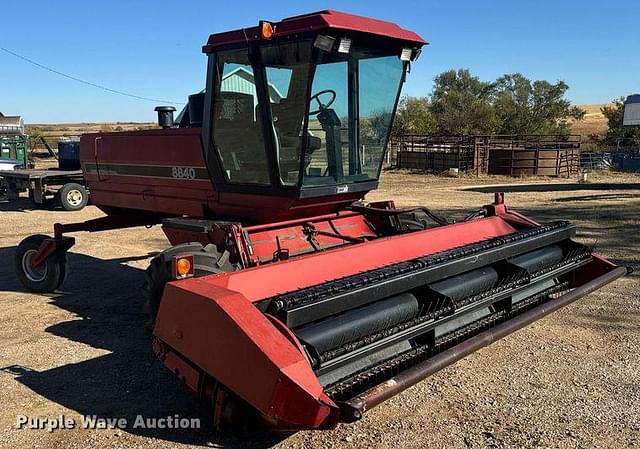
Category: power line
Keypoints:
(88, 83)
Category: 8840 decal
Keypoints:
(183, 172)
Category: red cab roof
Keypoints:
(318, 21)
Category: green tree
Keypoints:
(461, 104)
(538, 107)
(414, 117)
(375, 127)
(616, 134)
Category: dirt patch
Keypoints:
(569, 380)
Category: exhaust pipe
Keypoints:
(165, 116)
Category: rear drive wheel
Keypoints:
(72, 196)
(207, 260)
(43, 279)
(414, 221)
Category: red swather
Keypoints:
(300, 304)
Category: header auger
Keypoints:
(284, 296)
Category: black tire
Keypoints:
(45, 280)
(4, 190)
(237, 416)
(207, 260)
(73, 197)
(414, 221)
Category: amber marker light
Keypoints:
(183, 267)
(266, 29)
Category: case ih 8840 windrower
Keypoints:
(283, 294)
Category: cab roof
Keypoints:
(317, 22)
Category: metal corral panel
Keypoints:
(532, 162)
(436, 153)
(632, 111)
(525, 155)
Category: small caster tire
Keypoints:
(44, 279)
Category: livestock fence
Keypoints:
(512, 155)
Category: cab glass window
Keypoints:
(379, 81)
(327, 159)
(288, 69)
(351, 105)
(237, 133)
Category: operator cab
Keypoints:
(303, 107)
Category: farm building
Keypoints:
(242, 81)
(11, 125)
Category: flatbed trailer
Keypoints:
(67, 187)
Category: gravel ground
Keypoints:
(569, 380)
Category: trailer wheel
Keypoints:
(43, 279)
(73, 196)
(207, 261)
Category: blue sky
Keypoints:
(152, 48)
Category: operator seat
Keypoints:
(238, 137)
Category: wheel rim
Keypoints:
(32, 273)
(74, 197)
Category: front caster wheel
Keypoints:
(42, 279)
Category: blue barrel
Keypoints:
(69, 154)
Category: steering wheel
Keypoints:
(322, 106)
